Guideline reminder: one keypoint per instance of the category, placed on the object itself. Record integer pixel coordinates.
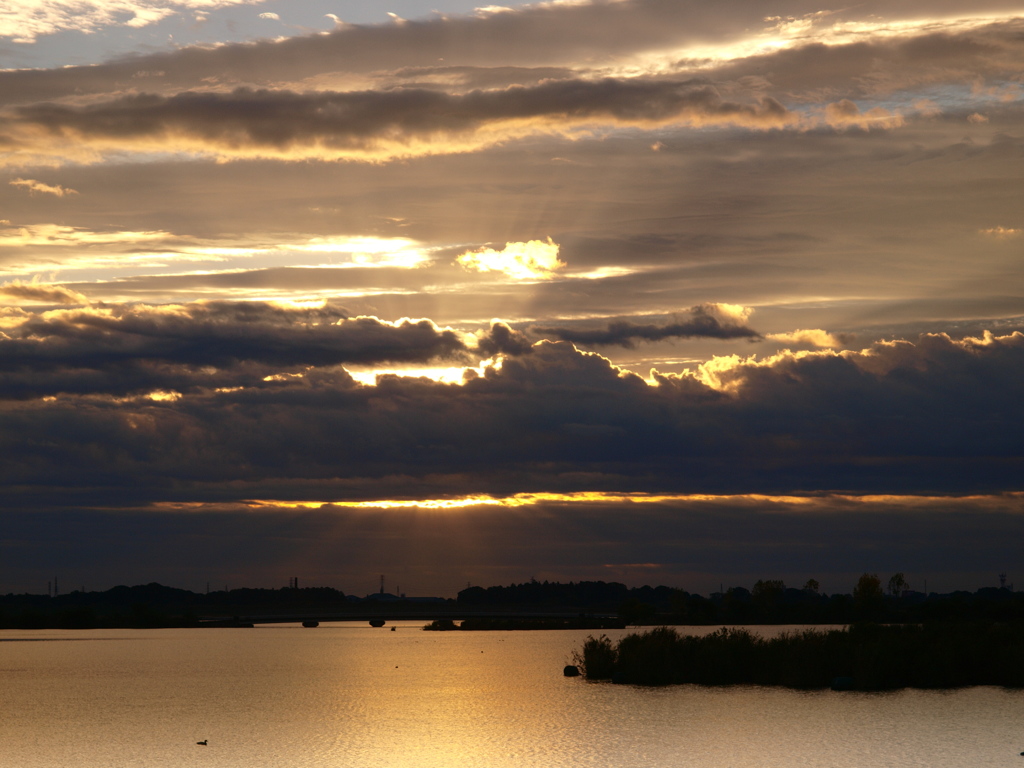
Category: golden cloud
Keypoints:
(845, 114)
(29, 247)
(40, 293)
(37, 186)
(1007, 500)
(58, 234)
(533, 260)
(812, 336)
(1001, 232)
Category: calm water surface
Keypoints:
(349, 696)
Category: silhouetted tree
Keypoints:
(869, 587)
(679, 604)
(897, 584)
(867, 596)
(766, 595)
(634, 613)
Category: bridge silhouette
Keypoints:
(424, 615)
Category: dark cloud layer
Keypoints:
(136, 349)
(504, 340)
(898, 417)
(124, 349)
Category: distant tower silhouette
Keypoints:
(1002, 580)
(382, 583)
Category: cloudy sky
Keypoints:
(686, 292)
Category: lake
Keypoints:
(347, 695)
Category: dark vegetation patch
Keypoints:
(871, 657)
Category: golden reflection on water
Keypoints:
(346, 695)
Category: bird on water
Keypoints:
(202, 743)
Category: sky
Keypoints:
(683, 292)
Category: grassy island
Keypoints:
(867, 657)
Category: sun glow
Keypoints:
(347, 251)
(604, 273)
(517, 500)
(369, 251)
(533, 260)
(440, 374)
(591, 497)
(353, 250)
(765, 503)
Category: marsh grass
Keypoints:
(441, 625)
(596, 660)
(875, 657)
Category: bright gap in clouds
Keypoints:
(87, 255)
(590, 497)
(441, 374)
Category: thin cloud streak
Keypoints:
(368, 125)
(34, 186)
(18, 291)
(701, 323)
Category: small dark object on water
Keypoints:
(376, 622)
(311, 623)
(202, 743)
(393, 629)
(571, 670)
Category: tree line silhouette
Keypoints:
(155, 605)
(767, 602)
